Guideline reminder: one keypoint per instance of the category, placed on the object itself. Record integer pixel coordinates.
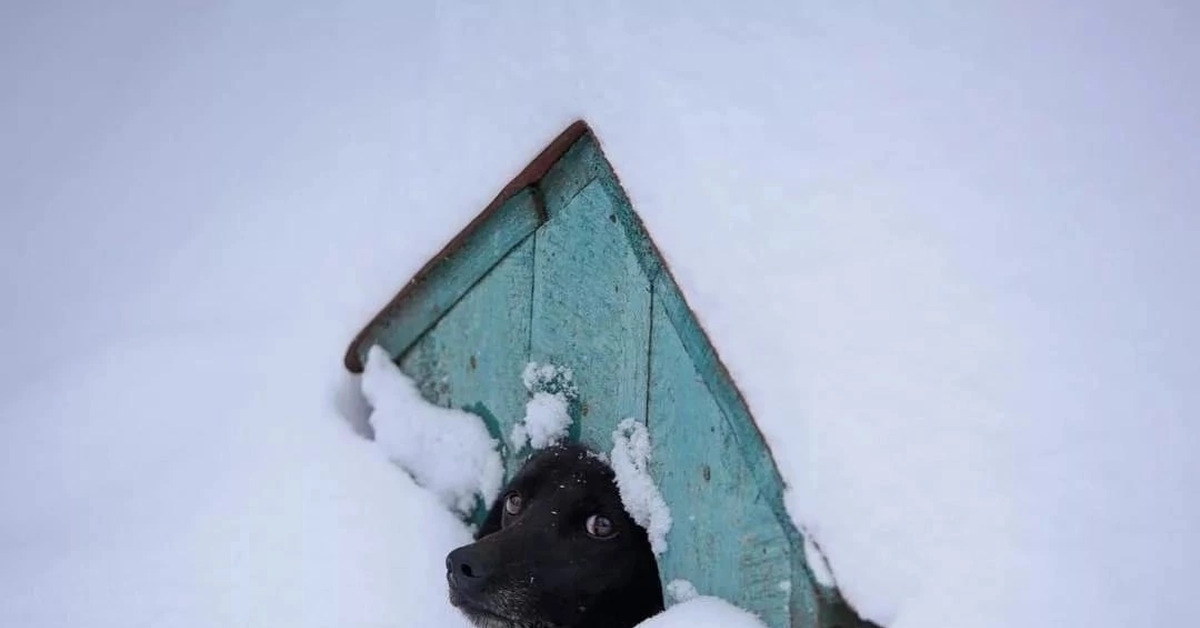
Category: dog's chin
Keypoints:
(487, 619)
(484, 617)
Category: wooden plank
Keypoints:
(581, 164)
(430, 295)
(585, 159)
(591, 308)
(635, 232)
(752, 447)
(725, 538)
(473, 356)
(716, 378)
(527, 179)
(581, 169)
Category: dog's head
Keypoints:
(557, 550)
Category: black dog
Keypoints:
(557, 550)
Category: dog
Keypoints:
(557, 550)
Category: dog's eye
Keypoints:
(513, 503)
(600, 527)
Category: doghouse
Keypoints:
(558, 269)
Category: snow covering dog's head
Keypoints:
(557, 550)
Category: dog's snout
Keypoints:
(465, 568)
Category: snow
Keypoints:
(680, 590)
(947, 253)
(549, 377)
(703, 612)
(547, 413)
(630, 460)
(545, 423)
(159, 483)
(448, 452)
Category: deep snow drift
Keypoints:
(447, 451)
(175, 486)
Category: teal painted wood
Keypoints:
(473, 356)
(582, 164)
(639, 240)
(724, 539)
(455, 274)
(591, 310)
(570, 176)
(806, 596)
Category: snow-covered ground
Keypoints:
(947, 250)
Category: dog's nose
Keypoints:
(465, 569)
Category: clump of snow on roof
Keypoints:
(817, 563)
(447, 451)
(545, 423)
(549, 378)
(547, 414)
(679, 591)
(630, 461)
(703, 612)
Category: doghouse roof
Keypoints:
(425, 298)
(499, 228)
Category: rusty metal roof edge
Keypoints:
(531, 174)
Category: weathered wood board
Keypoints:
(440, 286)
(472, 357)
(736, 548)
(591, 312)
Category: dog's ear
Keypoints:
(491, 523)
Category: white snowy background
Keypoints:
(948, 251)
